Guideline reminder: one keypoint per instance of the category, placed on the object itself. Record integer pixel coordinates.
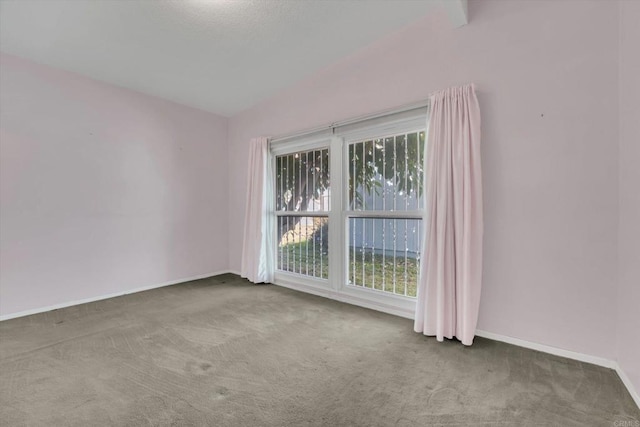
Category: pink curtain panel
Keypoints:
(451, 271)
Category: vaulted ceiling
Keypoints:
(221, 56)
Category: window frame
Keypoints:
(413, 214)
(319, 141)
(337, 140)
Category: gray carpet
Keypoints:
(222, 352)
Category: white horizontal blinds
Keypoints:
(308, 141)
(385, 211)
(393, 124)
(302, 204)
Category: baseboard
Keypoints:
(628, 384)
(600, 361)
(101, 297)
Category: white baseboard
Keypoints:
(101, 297)
(628, 384)
(600, 361)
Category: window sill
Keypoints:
(396, 305)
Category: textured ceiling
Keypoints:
(218, 55)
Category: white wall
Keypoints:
(628, 310)
(103, 190)
(547, 79)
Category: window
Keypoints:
(385, 211)
(302, 204)
(348, 211)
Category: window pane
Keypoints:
(387, 173)
(303, 245)
(302, 181)
(384, 254)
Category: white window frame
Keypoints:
(317, 141)
(337, 287)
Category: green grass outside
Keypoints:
(378, 270)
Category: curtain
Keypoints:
(257, 256)
(451, 271)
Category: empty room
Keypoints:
(320, 213)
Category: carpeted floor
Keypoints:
(222, 352)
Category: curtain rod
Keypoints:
(395, 110)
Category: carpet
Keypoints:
(223, 352)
